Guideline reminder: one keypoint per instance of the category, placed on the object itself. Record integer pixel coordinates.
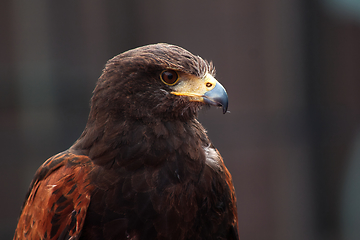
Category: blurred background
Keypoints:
(291, 69)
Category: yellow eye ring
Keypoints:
(169, 77)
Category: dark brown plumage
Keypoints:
(144, 167)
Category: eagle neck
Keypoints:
(135, 143)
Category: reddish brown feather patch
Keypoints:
(58, 201)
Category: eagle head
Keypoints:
(159, 80)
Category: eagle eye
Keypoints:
(169, 77)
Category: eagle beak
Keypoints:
(217, 97)
(206, 89)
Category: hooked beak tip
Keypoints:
(217, 97)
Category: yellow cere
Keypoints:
(193, 86)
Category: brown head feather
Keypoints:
(130, 86)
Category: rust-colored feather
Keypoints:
(58, 199)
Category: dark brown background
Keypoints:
(291, 69)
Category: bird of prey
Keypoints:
(144, 167)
